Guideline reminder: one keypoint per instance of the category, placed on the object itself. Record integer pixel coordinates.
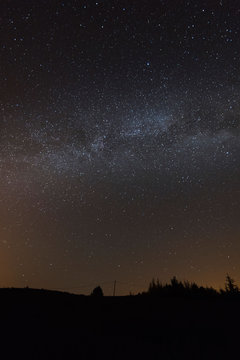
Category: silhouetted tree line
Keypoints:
(190, 289)
(183, 288)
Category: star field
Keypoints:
(119, 143)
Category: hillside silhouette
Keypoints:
(173, 321)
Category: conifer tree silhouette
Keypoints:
(230, 286)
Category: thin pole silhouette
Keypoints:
(114, 287)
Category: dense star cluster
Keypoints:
(119, 142)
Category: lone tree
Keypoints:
(230, 286)
(97, 291)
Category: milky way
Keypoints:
(119, 143)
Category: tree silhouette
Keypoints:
(230, 286)
(97, 291)
(178, 288)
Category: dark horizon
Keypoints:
(111, 289)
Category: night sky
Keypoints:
(119, 143)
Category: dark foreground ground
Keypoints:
(38, 324)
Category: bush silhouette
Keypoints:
(97, 291)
